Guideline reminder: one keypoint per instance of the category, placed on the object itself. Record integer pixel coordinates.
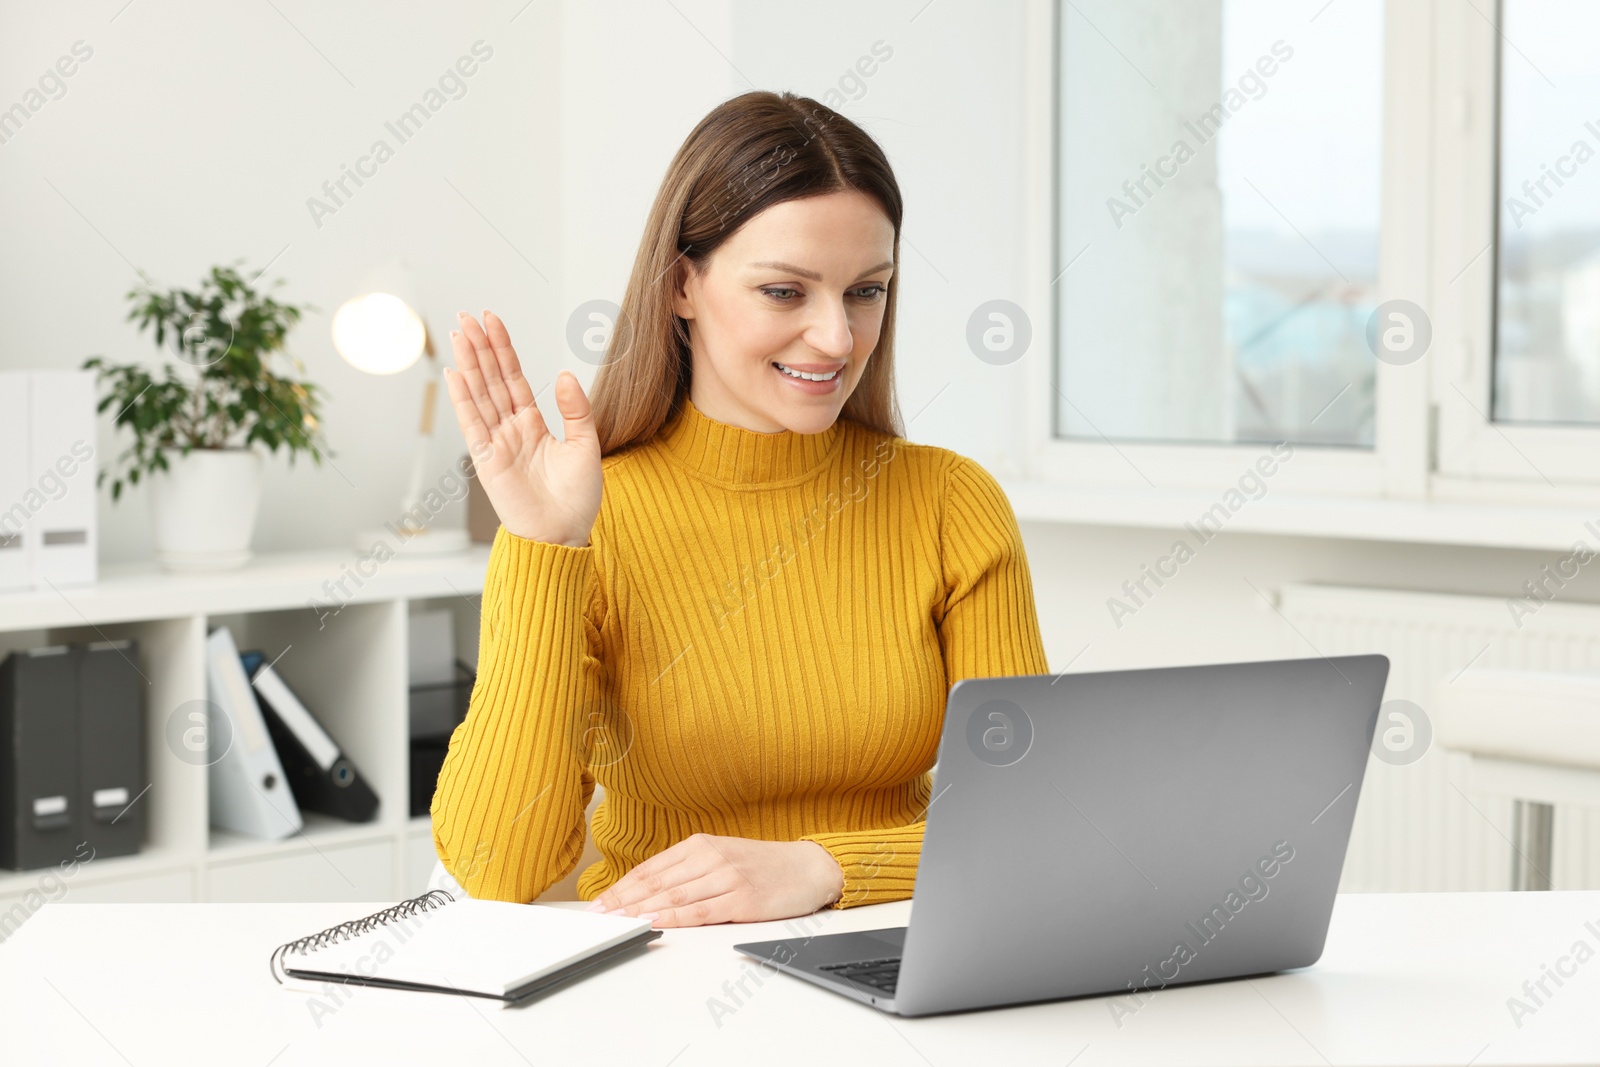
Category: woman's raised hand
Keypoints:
(542, 489)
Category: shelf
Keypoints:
(349, 661)
(14, 884)
(317, 831)
(270, 581)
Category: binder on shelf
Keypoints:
(249, 791)
(71, 753)
(61, 471)
(321, 776)
(38, 717)
(435, 711)
(430, 645)
(440, 691)
(111, 764)
(16, 527)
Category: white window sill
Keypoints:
(1352, 518)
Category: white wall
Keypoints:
(197, 131)
(196, 134)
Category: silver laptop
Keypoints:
(1119, 832)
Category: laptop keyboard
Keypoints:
(879, 974)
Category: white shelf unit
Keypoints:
(347, 660)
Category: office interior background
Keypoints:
(1308, 287)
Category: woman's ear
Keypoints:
(682, 277)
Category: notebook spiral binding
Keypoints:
(427, 901)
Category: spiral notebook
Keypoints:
(482, 948)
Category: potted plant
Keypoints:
(195, 433)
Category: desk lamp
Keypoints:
(380, 333)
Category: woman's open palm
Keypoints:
(542, 489)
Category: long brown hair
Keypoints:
(749, 153)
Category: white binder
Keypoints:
(249, 793)
(61, 467)
(16, 507)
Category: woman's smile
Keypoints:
(815, 379)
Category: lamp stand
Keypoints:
(411, 533)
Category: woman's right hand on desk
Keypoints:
(542, 489)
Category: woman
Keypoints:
(749, 636)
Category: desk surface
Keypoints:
(1421, 978)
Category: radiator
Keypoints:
(1418, 827)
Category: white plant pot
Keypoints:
(205, 507)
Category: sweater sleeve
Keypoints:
(508, 810)
(987, 625)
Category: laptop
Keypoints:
(1119, 832)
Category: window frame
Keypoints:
(1430, 443)
(1477, 456)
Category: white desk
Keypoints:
(1406, 979)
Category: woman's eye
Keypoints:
(868, 293)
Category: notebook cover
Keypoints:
(496, 950)
(515, 996)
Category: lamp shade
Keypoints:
(378, 333)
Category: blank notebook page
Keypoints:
(483, 946)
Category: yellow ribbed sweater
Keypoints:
(757, 642)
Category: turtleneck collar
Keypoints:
(736, 456)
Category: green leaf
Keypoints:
(235, 395)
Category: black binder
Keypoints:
(339, 789)
(111, 778)
(435, 711)
(39, 717)
(71, 753)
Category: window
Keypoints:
(1218, 195)
(1255, 200)
(1516, 295)
(1547, 298)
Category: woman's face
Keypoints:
(803, 285)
